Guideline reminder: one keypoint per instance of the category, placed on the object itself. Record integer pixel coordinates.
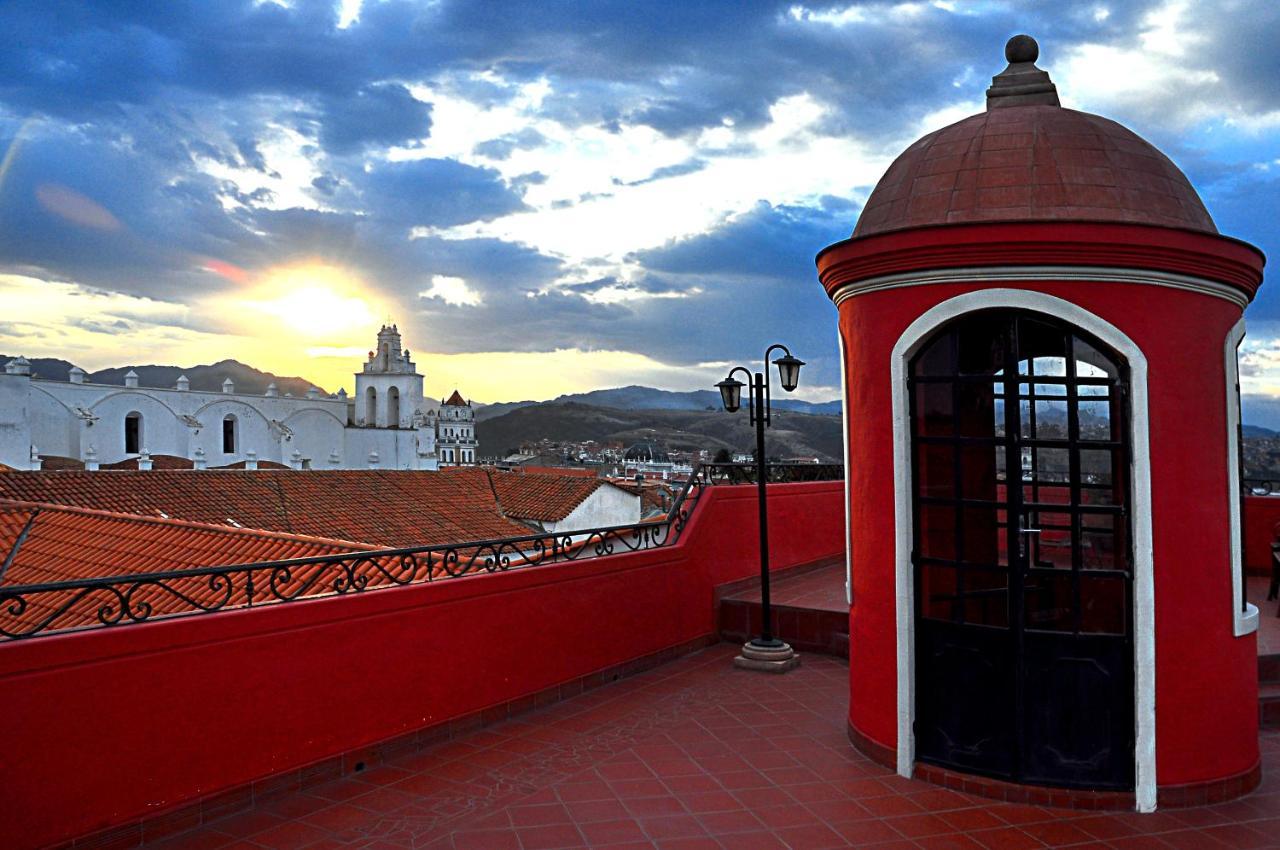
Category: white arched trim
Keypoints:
(56, 400)
(996, 274)
(844, 425)
(135, 393)
(297, 413)
(235, 403)
(1144, 650)
(1244, 619)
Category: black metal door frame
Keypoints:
(1027, 655)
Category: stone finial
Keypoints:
(334, 460)
(313, 392)
(1022, 83)
(272, 390)
(373, 460)
(342, 393)
(295, 460)
(251, 459)
(18, 366)
(75, 375)
(183, 384)
(228, 386)
(199, 462)
(144, 460)
(131, 378)
(91, 459)
(35, 459)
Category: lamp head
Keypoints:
(731, 393)
(789, 371)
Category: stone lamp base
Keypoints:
(776, 658)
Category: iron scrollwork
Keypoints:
(35, 609)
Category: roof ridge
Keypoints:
(53, 507)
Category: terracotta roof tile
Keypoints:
(69, 544)
(382, 507)
(535, 496)
(456, 400)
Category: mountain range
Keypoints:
(204, 378)
(647, 398)
(791, 434)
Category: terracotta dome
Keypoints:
(1028, 159)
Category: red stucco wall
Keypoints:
(107, 726)
(1261, 516)
(1206, 688)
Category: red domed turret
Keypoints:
(1039, 324)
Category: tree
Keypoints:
(723, 456)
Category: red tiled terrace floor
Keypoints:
(698, 754)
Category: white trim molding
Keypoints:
(844, 424)
(1244, 618)
(1143, 578)
(1006, 274)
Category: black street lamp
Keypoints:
(765, 652)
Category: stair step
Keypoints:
(1269, 705)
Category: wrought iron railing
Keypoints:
(34, 609)
(779, 473)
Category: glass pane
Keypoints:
(1051, 545)
(938, 532)
(977, 410)
(1100, 546)
(985, 599)
(937, 358)
(937, 592)
(933, 409)
(935, 470)
(982, 341)
(1093, 390)
(1051, 420)
(1095, 419)
(1051, 390)
(1092, 363)
(1049, 601)
(980, 467)
(982, 534)
(1049, 480)
(1098, 484)
(1042, 348)
(998, 429)
(1104, 604)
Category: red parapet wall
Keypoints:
(1261, 515)
(111, 726)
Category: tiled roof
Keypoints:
(534, 496)
(69, 544)
(157, 462)
(456, 400)
(58, 462)
(1032, 163)
(262, 464)
(382, 507)
(578, 471)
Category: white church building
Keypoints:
(386, 424)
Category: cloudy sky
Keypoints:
(546, 197)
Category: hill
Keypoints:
(647, 398)
(204, 378)
(791, 435)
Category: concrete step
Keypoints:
(1269, 705)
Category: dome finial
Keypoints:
(1022, 83)
(1021, 48)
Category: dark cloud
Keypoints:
(437, 192)
(504, 146)
(384, 114)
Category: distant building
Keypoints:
(387, 424)
(456, 432)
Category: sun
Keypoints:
(314, 301)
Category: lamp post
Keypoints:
(765, 652)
